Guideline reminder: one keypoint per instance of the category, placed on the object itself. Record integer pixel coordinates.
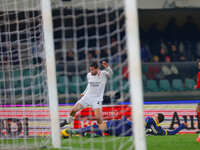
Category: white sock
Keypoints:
(69, 119)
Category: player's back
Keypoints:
(153, 125)
(121, 127)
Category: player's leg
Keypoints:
(77, 107)
(97, 108)
(92, 128)
(99, 118)
(98, 115)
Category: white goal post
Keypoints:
(51, 71)
(134, 59)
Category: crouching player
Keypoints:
(123, 127)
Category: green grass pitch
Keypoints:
(177, 142)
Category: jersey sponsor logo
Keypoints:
(94, 84)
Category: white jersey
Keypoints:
(96, 83)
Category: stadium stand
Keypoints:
(179, 44)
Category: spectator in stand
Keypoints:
(114, 51)
(70, 55)
(125, 72)
(190, 30)
(59, 56)
(81, 54)
(104, 54)
(174, 53)
(114, 46)
(190, 35)
(142, 34)
(145, 54)
(189, 50)
(154, 69)
(169, 71)
(12, 50)
(115, 59)
(90, 57)
(96, 54)
(5, 61)
(15, 55)
(103, 42)
(182, 58)
(163, 54)
(155, 59)
(155, 37)
(197, 54)
(123, 53)
(198, 77)
(172, 31)
(70, 67)
(3, 57)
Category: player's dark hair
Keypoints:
(161, 117)
(94, 64)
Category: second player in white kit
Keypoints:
(93, 94)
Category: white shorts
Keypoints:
(94, 102)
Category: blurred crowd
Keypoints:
(103, 40)
(173, 43)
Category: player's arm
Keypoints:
(198, 108)
(107, 69)
(173, 132)
(82, 94)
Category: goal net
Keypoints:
(87, 31)
(24, 116)
(84, 31)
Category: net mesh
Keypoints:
(84, 31)
(87, 31)
(24, 117)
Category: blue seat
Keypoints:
(27, 82)
(164, 85)
(26, 72)
(62, 82)
(152, 86)
(115, 85)
(189, 84)
(177, 84)
(1, 75)
(16, 74)
(17, 84)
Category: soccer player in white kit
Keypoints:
(93, 94)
